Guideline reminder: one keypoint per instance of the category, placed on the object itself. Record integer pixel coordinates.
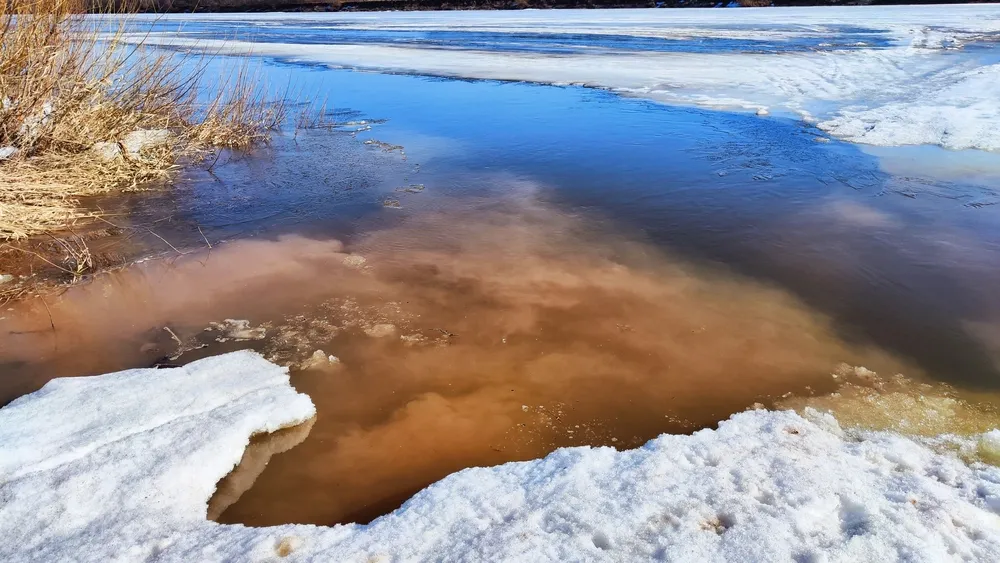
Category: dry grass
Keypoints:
(67, 82)
(240, 116)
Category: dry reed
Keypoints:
(71, 93)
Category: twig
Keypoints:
(40, 257)
(174, 336)
(214, 176)
(9, 295)
(204, 237)
(101, 218)
(218, 154)
(49, 311)
(165, 241)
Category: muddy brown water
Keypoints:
(465, 337)
(547, 290)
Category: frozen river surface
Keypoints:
(882, 76)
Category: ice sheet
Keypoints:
(879, 75)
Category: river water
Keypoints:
(503, 268)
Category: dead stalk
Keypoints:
(67, 80)
(165, 241)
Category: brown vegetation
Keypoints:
(84, 109)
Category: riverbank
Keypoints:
(84, 113)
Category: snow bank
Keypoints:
(109, 467)
(919, 74)
(119, 468)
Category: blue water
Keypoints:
(900, 247)
(899, 255)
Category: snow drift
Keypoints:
(119, 468)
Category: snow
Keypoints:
(107, 467)
(142, 140)
(119, 468)
(7, 153)
(894, 75)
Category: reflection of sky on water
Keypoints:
(903, 255)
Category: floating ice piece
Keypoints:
(238, 329)
(355, 261)
(113, 467)
(380, 330)
(320, 360)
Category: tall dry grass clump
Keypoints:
(82, 112)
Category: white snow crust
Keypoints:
(935, 80)
(119, 468)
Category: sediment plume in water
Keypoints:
(460, 338)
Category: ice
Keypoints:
(920, 74)
(111, 467)
(120, 467)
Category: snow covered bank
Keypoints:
(111, 467)
(120, 467)
(889, 76)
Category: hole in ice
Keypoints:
(765, 497)
(601, 541)
(854, 520)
